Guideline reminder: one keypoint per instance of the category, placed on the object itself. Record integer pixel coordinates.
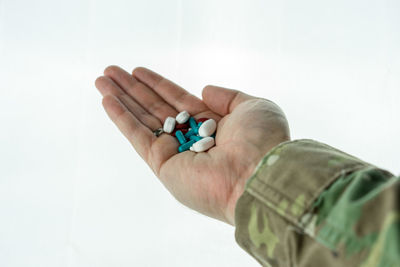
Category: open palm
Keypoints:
(209, 182)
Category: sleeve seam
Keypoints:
(305, 208)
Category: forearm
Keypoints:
(309, 204)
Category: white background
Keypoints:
(72, 190)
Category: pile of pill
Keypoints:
(195, 135)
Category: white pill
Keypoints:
(207, 128)
(182, 117)
(203, 144)
(169, 125)
(191, 148)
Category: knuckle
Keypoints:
(155, 107)
(106, 100)
(181, 99)
(121, 118)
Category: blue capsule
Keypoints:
(186, 146)
(181, 138)
(192, 123)
(190, 133)
(195, 137)
(196, 130)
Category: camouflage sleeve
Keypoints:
(308, 204)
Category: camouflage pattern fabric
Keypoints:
(308, 204)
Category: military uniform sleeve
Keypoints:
(308, 204)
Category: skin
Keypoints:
(209, 182)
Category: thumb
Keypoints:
(222, 100)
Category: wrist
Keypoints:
(240, 185)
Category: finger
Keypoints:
(173, 94)
(147, 98)
(107, 86)
(222, 100)
(154, 150)
(137, 134)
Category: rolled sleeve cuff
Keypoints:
(284, 186)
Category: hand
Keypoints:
(210, 182)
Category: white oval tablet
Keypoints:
(182, 117)
(169, 125)
(207, 128)
(203, 144)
